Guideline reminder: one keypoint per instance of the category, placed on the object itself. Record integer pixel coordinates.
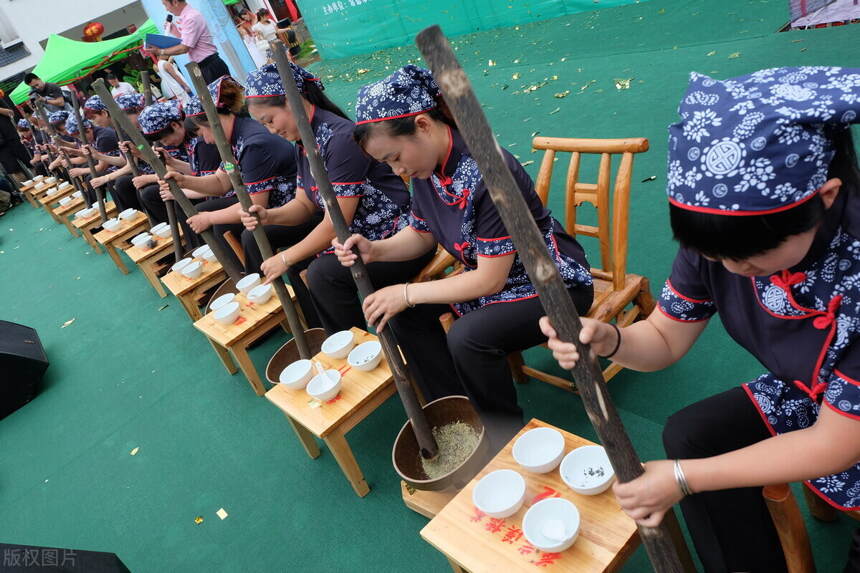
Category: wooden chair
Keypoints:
(783, 509)
(618, 295)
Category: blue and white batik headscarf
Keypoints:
(759, 143)
(266, 81)
(408, 91)
(158, 116)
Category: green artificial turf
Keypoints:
(128, 374)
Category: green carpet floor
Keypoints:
(128, 374)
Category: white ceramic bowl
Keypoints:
(178, 265)
(78, 194)
(540, 450)
(65, 184)
(199, 252)
(38, 177)
(365, 356)
(221, 301)
(246, 284)
(111, 224)
(260, 294)
(52, 191)
(141, 239)
(325, 387)
(338, 344)
(27, 182)
(128, 214)
(551, 525)
(162, 232)
(65, 200)
(50, 180)
(84, 213)
(210, 256)
(500, 493)
(228, 313)
(297, 375)
(587, 470)
(40, 186)
(192, 270)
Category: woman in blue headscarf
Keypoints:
(762, 184)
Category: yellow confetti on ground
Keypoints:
(134, 451)
(527, 163)
(198, 520)
(222, 513)
(560, 95)
(362, 71)
(556, 110)
(734, 55)
(491, 63)
(516, 76)
(622, 83)
(68, 322)
(712, 53)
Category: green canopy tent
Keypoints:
(66, 60)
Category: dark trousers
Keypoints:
(90, 194)
(156, 210)
(280, 237)
(731, 529)
(125, 194)
(213, 67)
(418, 331)
(480, 342)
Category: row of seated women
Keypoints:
(762, 183)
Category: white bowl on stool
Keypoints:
(161, 230)
(78, 194)
(210, 256)
(221, 301)
(111, 224)
(192, 270)
(297, 375)
(128, 214)
(248, 282)
(500, 493)
(178, 265)
(578, 464)
(228, 313)
(552, 525)
(539, 450)
(65, 201)
(326, 386)
(338, 344)
(365, 356)
(260, 294)
(200, 252)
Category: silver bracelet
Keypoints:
(681, 479)
(406, 295)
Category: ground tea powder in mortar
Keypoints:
(456, 442)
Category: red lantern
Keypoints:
(93, 32)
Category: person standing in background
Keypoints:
(189, 25)
(173, 85)
(53, 96)
(118, 88)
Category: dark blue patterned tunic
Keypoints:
(456, 208)
(383, 206)
(801, 324)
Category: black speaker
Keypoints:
(23, 363)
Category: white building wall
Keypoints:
(36, 20)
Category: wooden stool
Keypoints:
(64, 213)
(40, 193)
(475, 542)
(253, 323)
(26, 192)
(87, 224)
(191, 291)
(48, 200)
(113, 240)
(147, 260)
(362, 393)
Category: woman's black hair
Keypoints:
(399, 126)
(313, 94)
(741, 237)
(159, 135)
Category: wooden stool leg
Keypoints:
(820, 509)
(149, 272)
(111, 251)
(515, 363)
(790, 527)
(71, 228)
(224, 356)
(190, 306)
(455, 567)
(240, 352)
(341, 451)
(309, 442)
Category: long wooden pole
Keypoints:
(230, 165)
(135, 171)
(476, 131)
(86, 141)
(155, 162)
(420, 425)
(147, 88)
(40, 109)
